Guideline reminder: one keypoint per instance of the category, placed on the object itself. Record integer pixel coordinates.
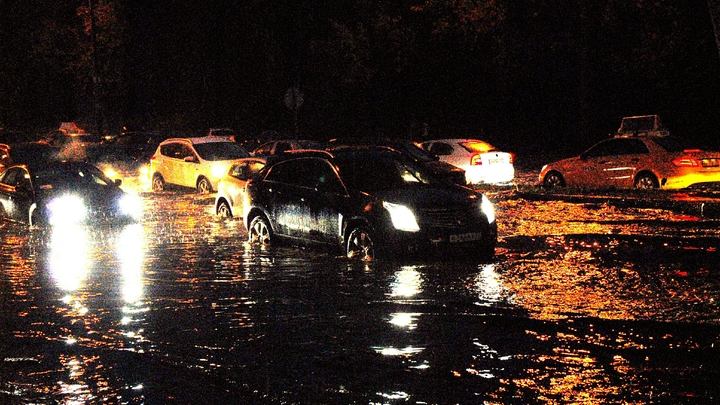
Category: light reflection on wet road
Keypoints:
(585, 303)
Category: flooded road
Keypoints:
(583, 304)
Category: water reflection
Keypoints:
(92, 267)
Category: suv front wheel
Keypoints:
(204, 186)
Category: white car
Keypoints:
(193, 162)
(231, 187)
(483, 163)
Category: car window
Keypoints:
(617, 147)
(477, 146)
(440, 149)
(671, 144)
(282, 147)
(244, 170)
(306, 172)
(16, 176)
(220, 151)
(264, 149)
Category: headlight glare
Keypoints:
(67, 209)
(131, 206)
(487, 208)
(402, 217)
(218, 170)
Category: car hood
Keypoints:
(429, 196)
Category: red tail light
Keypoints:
(476, 160)
(512, 158)
(686, 161)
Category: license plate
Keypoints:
(491, 161)
(465, 237)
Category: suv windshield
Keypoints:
(371, 172)
(221, 151)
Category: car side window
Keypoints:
(244, 170)
(618, 147)
(632, 146)
(306, 172)
(440, 149)
(604, 148)
(16, 177)
(264, 149)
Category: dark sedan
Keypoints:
(369, 202)
(63, 192)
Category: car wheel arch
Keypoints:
(222, 200)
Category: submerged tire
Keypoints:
(360, 244)
(204, 186)
(646, 181)
(158, 183)
(223, 210)
(260, 232)
(553, 179)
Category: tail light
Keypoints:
(686, 161)
(512, 158)
(476, 160)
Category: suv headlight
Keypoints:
(487, 208)
(402, 217)
(131, 205)
(66, 209)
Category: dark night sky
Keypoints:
(543, 76)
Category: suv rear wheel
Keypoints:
(158, 183)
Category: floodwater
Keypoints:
(583, 304)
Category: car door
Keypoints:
(188, 165)
(304, 195)
(326, 201)
(613, 163)
(284, 196)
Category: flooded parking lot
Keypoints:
(584, 303)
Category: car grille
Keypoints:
(710, 162)
(448, 218)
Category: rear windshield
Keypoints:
(671, 144)
(478, 146)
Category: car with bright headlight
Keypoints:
(367, 203)
(63, 192)
(195, 162)
(644, 159)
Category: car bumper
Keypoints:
(691, 179)
(459, 242)
(500, 174)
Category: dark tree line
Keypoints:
(519, 74)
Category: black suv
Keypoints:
(368, 202)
